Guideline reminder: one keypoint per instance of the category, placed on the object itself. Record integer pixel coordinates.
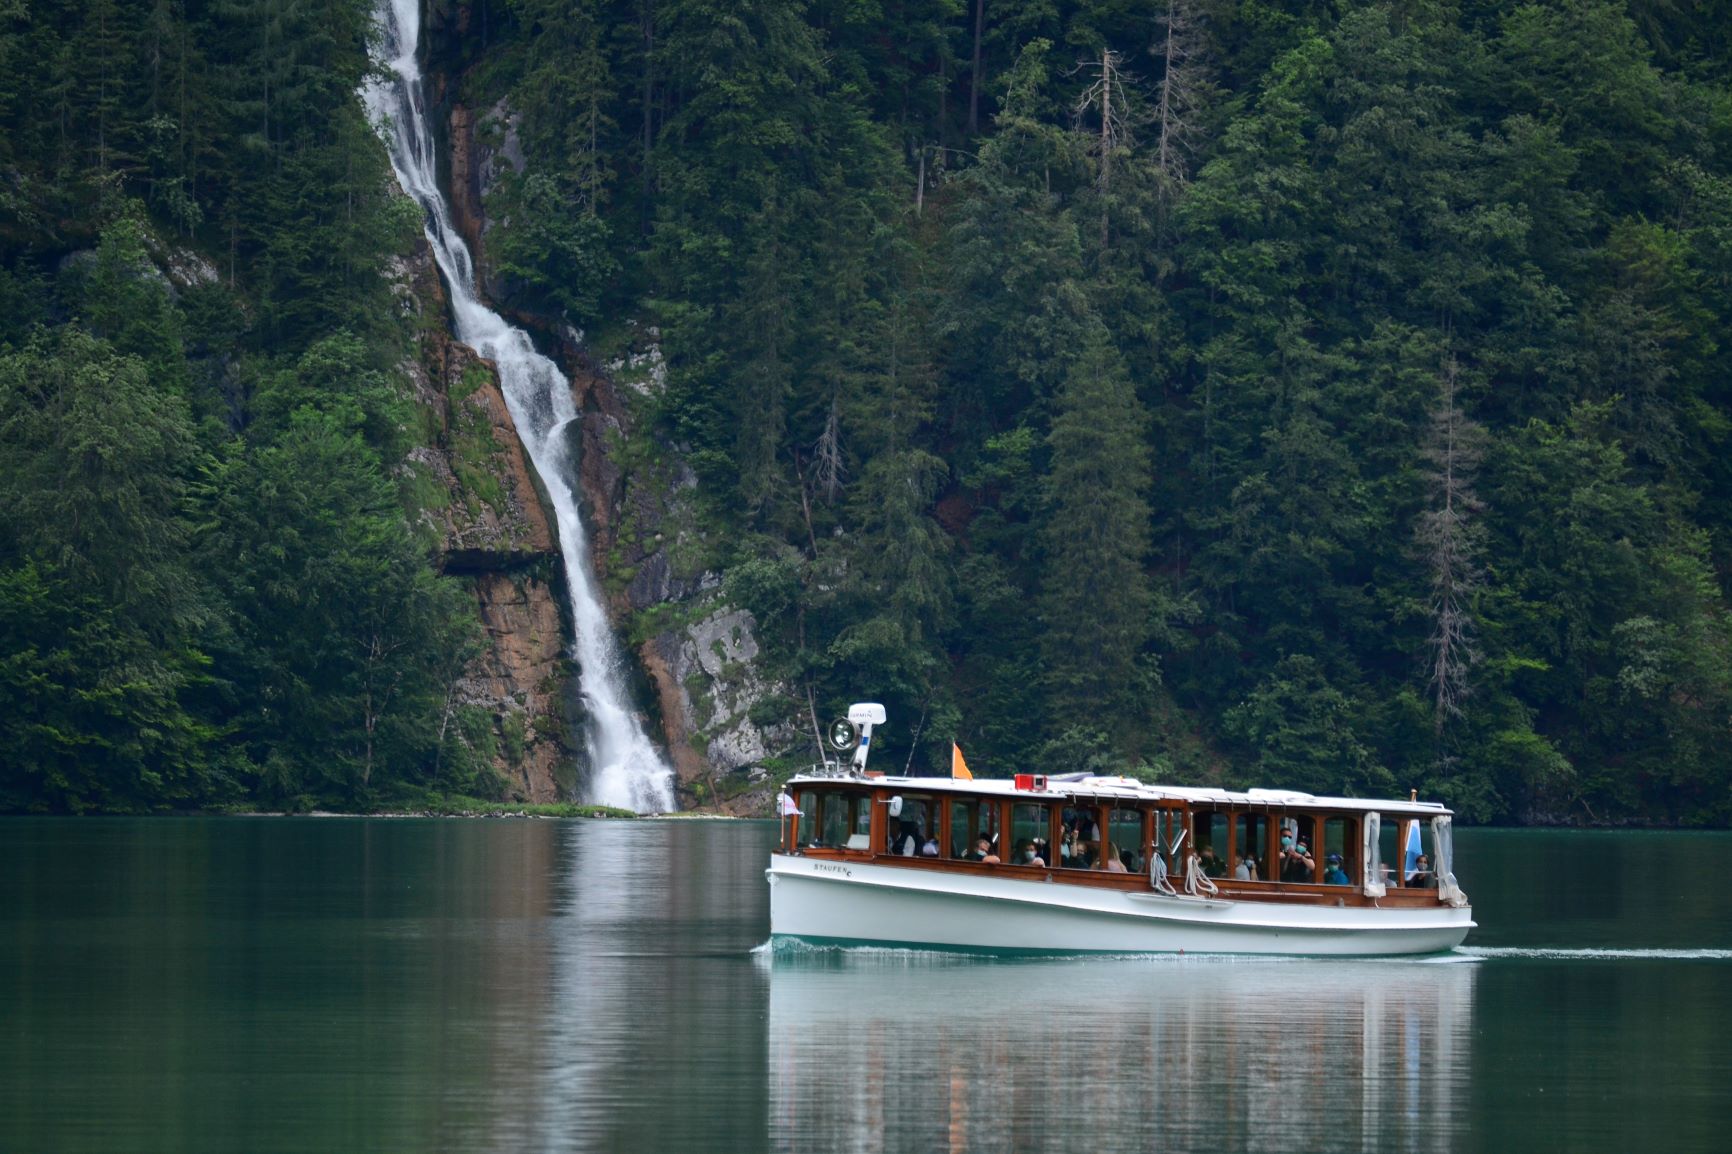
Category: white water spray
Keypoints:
(625, 769)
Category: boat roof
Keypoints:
(1081, 785)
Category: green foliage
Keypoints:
(562, 256)
(95, 718)
(514, 729)
(1105, 444)
(1096, 605)
(209, 591)
(339, 625)
(100, 612)
(1297, 728)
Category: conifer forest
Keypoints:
(1320, 395)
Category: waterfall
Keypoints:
(625, 769)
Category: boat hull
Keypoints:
(842, 902)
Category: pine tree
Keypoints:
(1095, 601)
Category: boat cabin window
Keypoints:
(834, 819)
(1339, 863)
(1080, 844)
(1170, 838)
(1401, 842)
(1125, 840)
(1030, 834)
(806, 801)
(1250, 847)
(1418, 855)
(1210, 829)
(1297, 862)
(914, 832)
(971, 820)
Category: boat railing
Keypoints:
(831, 769)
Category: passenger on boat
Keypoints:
(907, 840)
(1076, 852)
(1111, 862)
(1085, 827)
(1335, 875)
(1246, 870)
(1296, 862)
(929, 848)
(983, 852)
(1422, 877)
(1213, 866)
(1026, 854)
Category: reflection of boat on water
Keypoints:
(1084, 863)
(907, 1051)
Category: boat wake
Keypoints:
(793, 950)
(1610, 955)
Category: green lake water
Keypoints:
(392, 984)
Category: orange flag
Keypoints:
(958, 767)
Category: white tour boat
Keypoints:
(1087, 864)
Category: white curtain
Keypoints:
(1373, 857)
(1443, 861)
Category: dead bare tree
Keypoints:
(380, 681)
(817, 732)
(1184, 81)
(828, 469)
(1448, 537)
(974, 77)
(1109, 99)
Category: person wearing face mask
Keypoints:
(1296, 863)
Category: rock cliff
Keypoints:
(486, 515)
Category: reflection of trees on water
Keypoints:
(898, 1052)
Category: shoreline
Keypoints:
(557, 812)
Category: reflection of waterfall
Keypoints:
(657, 1042)
(912, 1052)
(625, 769)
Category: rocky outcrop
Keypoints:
(521, 677)
(498, 147)
(465, 183)
(495, 519)
(707, 678)
(482, 149)
(485, 510)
